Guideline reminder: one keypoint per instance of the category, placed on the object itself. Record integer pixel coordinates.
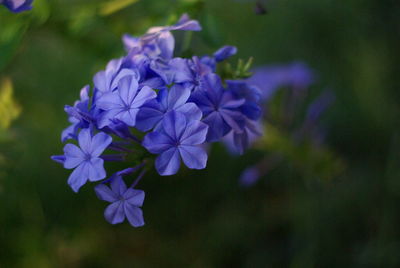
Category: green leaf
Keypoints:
(9, 109)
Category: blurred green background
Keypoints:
(204, 218)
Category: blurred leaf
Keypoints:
(114, 6)
(41, 11)
(11, 32)
(9, 109)
(313, 161)
(211, 30)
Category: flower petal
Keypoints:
(168, 162)
(134, 215)
(147, 118)
(134, 197)
(191, 111)
(127, 89)
(73, 156)
(78, 177)
(103, 192)
(178, 95)
(108, 101)
(100, 142)
(144, 95)
(100, 81)
(128, 116)
(234, 119)
(195, 133)
(69, 132)
(118, 185)
(174, 124)
(193, 156)
(114, 213)
(225, 52)
(104, 119)
(85, 140)
(156, 142)
(96, 169)
(217, 127)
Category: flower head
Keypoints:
(179, 103)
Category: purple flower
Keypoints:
(221, 54)
(75, 115)
(220, 109)
(184, 24)
(249, 176)
(311, 126)
(158, 41)
(242, 90)
(85, 159)
(108, 79)
(17, 5)
(319, 105)
(181, 71)
(152, 114)
(239, 142)
(123, 104)
(224, 53)
(125, 202)
(179, 139)
(271, 78)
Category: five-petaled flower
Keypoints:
(125, 202)
(124, 103)
(219, 107)
(85, 159)
(152, 114)
(178, 139)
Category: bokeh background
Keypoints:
(343, 212)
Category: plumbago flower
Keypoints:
(17, 6)
(151, 104)
(292, 81)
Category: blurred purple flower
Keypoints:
(249, 177)
(270, 78)
(221, 54)
(237, 143)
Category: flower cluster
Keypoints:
(151, 104)
(17, 5)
